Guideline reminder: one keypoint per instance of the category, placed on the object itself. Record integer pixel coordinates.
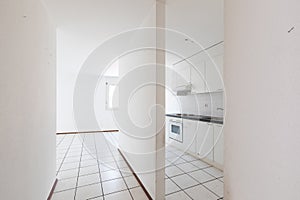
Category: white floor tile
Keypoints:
(138, 194)
(214, 172)
(201, 193)
(201, 176)
(187, 167)
(67, 166)
(113, 186)
(131, 182)
(173, 171)
(171, 187)
(109, 175)
(89, 191)
(88, 170)
(88, 179)
(86, 163)
(65, 195)
(111, 165)
(189, 158)
(184, 181)
(124, 195)
(178, 196)
(216, 186)
(200, 164)
(122, 164)
(66, 184)
(126, 173)
(68, 174)
(71, 159)
(176, 161)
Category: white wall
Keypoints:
(82, 27)
(27, 103)
(263, 94)
(141, 113)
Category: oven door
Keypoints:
(175, 130)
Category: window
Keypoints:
(112, 96)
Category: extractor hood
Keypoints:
(184, 90)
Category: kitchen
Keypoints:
(195, 96)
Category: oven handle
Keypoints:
(175, 121)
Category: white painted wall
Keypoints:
(82, 27)
(141, 112)
(263, 94)
(27, 103)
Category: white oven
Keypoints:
(175, 129)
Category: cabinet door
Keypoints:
(171, 79)
(205, 141)
(182, 71)
(190, 135)
(214, 75)
(219, 144)
(198, 75)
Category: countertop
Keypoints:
(216, 120)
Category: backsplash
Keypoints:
(210, 104)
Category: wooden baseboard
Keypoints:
(137, 178)
(52, 190)
(81, 132)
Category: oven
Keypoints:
(175, 129)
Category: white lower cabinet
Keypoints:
(219, 144)
(210, 143)
(205, 140)
(189, 135)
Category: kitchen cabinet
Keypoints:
(197, 75)
(214, 70)
(190, 135)
(205, 141)
(182, 74)
(218, 144)
(170, 79)
(204, 73)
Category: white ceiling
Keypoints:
(97, 20)
(92, 17)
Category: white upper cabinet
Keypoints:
(182, 74)
(197, 74)
(214, 69)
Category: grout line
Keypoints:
(63, 160)
(79, 167)
(101, 182)
(120, 171)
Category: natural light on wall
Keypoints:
(112, 96)
(113, 70)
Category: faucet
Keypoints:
(220, 109)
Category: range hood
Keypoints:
(184, 90)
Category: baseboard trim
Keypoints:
(137, 178)
(52, 190)
(103, 131)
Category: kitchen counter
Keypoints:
(216, 120)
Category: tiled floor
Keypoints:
(190, 178)
(90, 167)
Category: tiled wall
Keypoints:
(201, 104)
